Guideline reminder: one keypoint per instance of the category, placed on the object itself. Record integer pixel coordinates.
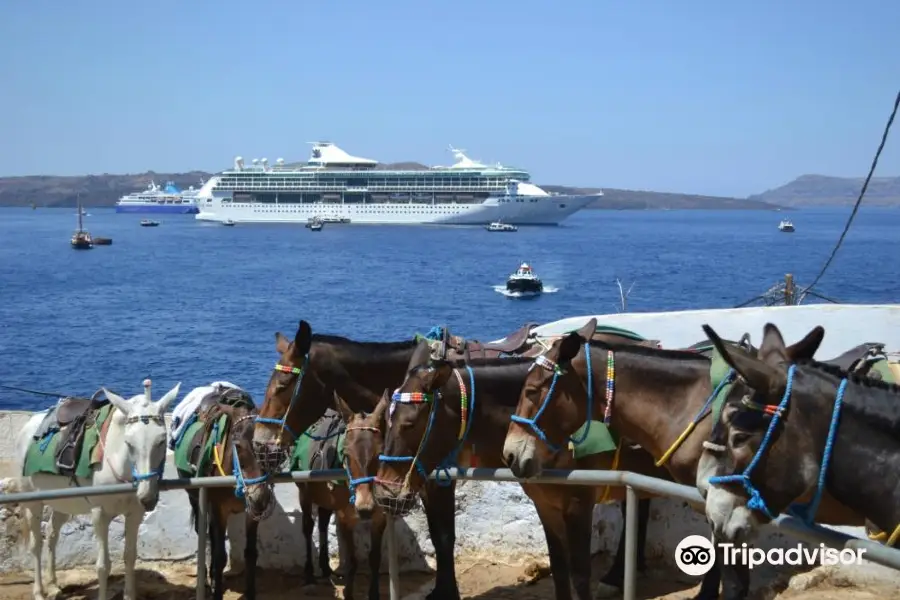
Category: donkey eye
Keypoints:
(739, 438)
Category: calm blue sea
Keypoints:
(195, 302)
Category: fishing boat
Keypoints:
(786, 226)
(501, 227)
(524, 281)
(81, 239)
(228, 223)
(149, 223)
(315, 224)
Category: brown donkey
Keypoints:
(221, 444)
(343, 440)
(310, 369)
(660, 398)
(448, 414)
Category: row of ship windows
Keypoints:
(424, 183)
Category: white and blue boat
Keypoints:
(169, 200)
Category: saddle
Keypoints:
(73, 416)
(323, 453)
(221, 396)
(455, 347)
(860, 359)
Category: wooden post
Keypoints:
(788, 289)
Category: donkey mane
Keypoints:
(648, 351)
(336, 340)
(880, 410)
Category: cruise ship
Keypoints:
(337, 187)
(156, 200)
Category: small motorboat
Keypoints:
(524, 281)
(498, 226)
(228, 223)
(149, 223)
(315, 224)
(786, 226)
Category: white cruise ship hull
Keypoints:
(515, 210)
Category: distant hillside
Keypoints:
(614, 199)
(105, 190)
(821, 190)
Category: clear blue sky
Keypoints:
(708, 97)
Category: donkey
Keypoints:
(660, 398)
(132, 441)
(216, 440)
(437, 415)
(309, 371)
(794, 428)
(358, 442)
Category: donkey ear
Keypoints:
(773, 350)
(806, 348)
(163, 403)
(343, 408)
(303, 339)
(281, 343)
(442, 371)
(569, 346)
(759, 375)
(120, 403)
(588, 330)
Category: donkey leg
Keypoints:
(440, 509)
(308, 525)
(219, 555)
(554, 532)
(379, 524)
(324, 558)
(345, 528)
(33, 513)
(101, 532)
(735, 582)
(611, 583)
(250, 558)
(709, 589)
(57, 520)
(133, 521)
(579, 518)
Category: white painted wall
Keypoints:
(493, 519)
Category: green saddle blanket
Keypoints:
(306, 448)
(41, 454)
(187, 446)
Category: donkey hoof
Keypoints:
(607, 590)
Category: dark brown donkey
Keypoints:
(660, 399)
(357, 441)
(780, 415)
(221, 444)
(446, 413)
(309, 370)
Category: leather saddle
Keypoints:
(860, 359)
(457, 347)
(323, 453)
(73, 416)
(207, 410)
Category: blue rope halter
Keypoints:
(807, 512)
(282, 422)
(547, 364)
(449, 461)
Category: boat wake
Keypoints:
(501, 289)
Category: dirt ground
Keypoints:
(479, 579)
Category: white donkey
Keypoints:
(134, 451)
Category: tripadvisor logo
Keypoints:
(695, 555)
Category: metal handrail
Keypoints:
(875, 552)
